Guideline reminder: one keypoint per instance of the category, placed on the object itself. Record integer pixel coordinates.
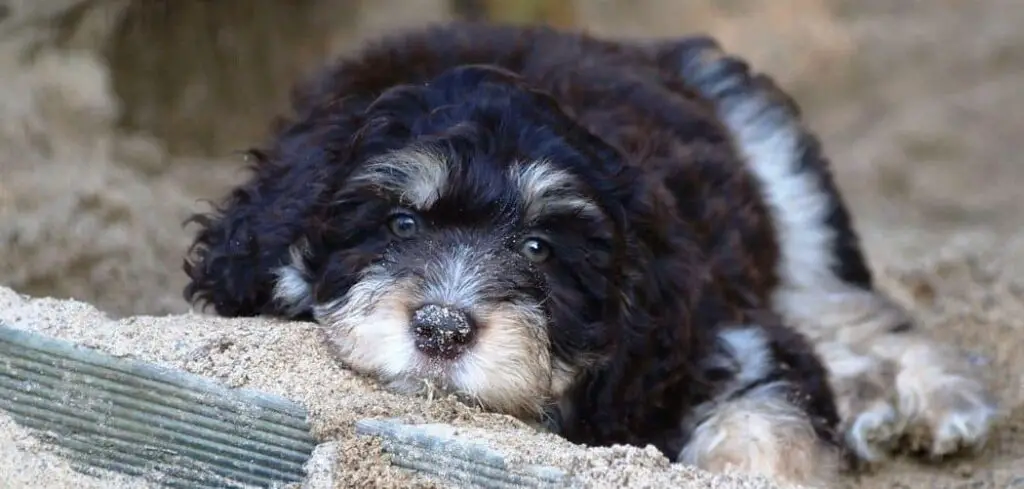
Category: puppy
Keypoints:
(633, 243)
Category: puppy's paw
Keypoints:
(946, 414)
(865, 392)
(872, 433)
(762, 433)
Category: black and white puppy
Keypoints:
(630, 242)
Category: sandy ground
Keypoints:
(917, 102)
(294, 361)
(38, 466)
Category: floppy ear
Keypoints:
(240, 244)
(234, 260)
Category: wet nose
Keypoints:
(441, 331)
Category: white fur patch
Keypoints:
(369, 327)
(770, 145)
(749, 349)
(748, 359)
(419, 177)
(291, 290)
(547, 189)
(455, 277)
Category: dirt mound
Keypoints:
(261, 354)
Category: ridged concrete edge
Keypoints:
(434, 450)
(142, 419)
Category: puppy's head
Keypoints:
(474, 243)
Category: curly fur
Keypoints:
(682, 201)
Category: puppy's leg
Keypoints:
(878, 364)
(864, 389)
(774, 416)
(938, 404)
(762, 433)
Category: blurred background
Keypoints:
(117, 117)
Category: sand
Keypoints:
(915, 104)
(292, 360)
(29, 462)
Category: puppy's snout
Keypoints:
(442, 331)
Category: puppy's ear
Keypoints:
(234, 260)
(238, 253)
(254, 238)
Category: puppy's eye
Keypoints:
(404, 225)
(535, 249)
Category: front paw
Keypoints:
(946, 414)
(871, 434)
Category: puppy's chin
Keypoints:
(507, 368)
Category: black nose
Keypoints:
(441, 331)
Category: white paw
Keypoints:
(872, 433)
(956, 416)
